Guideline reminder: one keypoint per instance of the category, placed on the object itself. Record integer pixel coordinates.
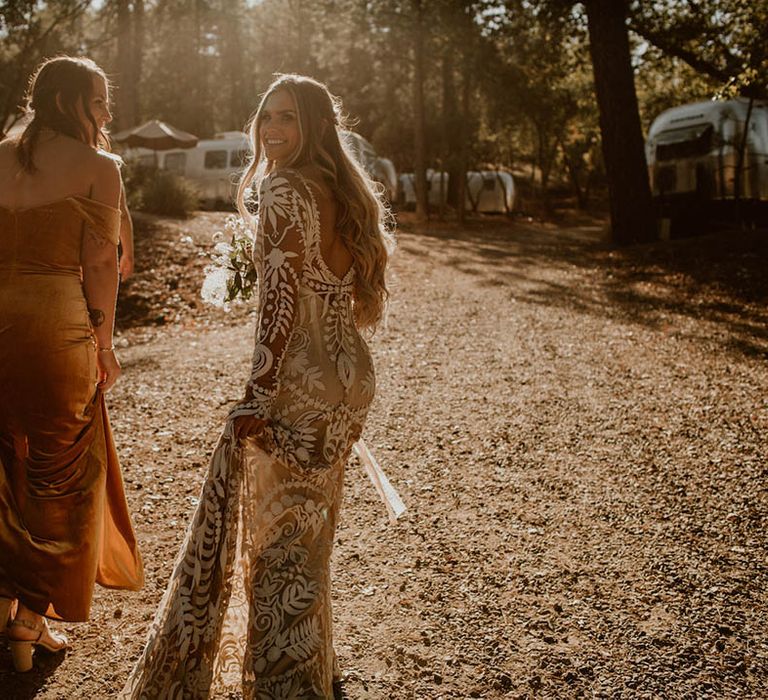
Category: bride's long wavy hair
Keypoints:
(363, 219)
(54, 91)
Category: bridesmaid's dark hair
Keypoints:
(54, 91)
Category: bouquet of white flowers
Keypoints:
(231, 276)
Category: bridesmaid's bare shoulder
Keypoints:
(96, 166)
(106, 177)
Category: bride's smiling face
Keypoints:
(279, 128)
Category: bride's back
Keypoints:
(335, 253)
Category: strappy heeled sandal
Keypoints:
(21, 649)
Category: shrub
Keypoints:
(160, 192)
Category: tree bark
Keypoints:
(419, 135)
(232, 58)
(125, 98)
(138, 55)
(466, 94)
(452, 125)
(632, 218)
(201, 103)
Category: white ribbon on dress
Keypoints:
(389, 496)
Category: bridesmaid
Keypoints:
(64, 523)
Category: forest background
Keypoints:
(559, 92)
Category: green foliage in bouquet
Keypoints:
(242, 284)
(232, 275)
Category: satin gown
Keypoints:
(247, 612)
(64, 521)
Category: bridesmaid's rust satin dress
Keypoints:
(64, 521)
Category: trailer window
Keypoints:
(684, 143)
(176, 162)
(215, 160)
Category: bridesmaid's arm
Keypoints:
(99, 265)
(126, 238)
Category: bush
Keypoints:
(159, 192)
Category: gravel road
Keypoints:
(580, 436)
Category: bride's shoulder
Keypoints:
(306, 181)
(314, 179)
(282, 178)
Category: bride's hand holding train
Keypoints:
(247, 426)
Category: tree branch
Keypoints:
(700, 65)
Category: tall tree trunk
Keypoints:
(126, 86)
(738, 180)
(138, 55)
(622, 136)
(300, 52)
(232, 57)
(202, 104)
(466, 94)
(451, 123)
(419, 140)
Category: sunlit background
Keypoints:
(447, 85)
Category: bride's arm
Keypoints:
(282, 249)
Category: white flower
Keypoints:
(232, 276)
(214, 289)
(222, 248)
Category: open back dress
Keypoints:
(247, 612)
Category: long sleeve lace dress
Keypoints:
(247, 612)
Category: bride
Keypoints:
(247, 611)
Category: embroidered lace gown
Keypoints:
(64, 521)
(247, 611)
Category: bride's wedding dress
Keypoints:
(247, 611)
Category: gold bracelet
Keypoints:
(111, 348)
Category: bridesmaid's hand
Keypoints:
(247, 426)
(109, 369)
(126, 267)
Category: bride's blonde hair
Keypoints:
(363, 219)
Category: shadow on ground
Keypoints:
(720, 277)
(27, 685)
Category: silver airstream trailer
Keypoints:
(380, 169)
(486, 192)
(693, 154)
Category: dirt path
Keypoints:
(580, 438)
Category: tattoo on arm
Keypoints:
(96, 237)
(97, 317)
